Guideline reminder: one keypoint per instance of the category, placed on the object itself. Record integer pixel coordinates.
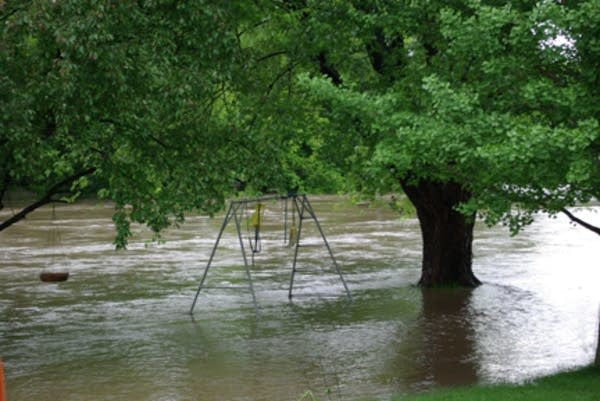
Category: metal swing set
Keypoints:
(294, 204)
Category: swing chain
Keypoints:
(257, 220)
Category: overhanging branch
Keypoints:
(581, 222)
(47, 198)
(10, 13)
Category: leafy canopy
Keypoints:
(129, 97)
(499, 97)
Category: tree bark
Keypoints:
(447, 234)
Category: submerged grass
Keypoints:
(579, 385)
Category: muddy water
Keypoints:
(120, 328)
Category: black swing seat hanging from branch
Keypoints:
(301, 210)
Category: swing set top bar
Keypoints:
(266, 198)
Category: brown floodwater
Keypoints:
(120, 327)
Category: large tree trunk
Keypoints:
(447, 233)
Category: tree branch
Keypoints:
(10, 13)
(280, 75)
(581, 222)
(270, 55)
(47, 198)
(385, 56)
(256, 25)
(328, 70)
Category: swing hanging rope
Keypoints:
(256, 221)
(54, 238)
(293, 232)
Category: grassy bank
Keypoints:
(580, 385)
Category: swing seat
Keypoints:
(53, 277)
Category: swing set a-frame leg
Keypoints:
(246, 266)
(335, 264)
(300, 211)
(306, 206)
(230, 213)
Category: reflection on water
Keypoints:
(119, 328)
(443, 344)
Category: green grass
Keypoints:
(580, 385)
